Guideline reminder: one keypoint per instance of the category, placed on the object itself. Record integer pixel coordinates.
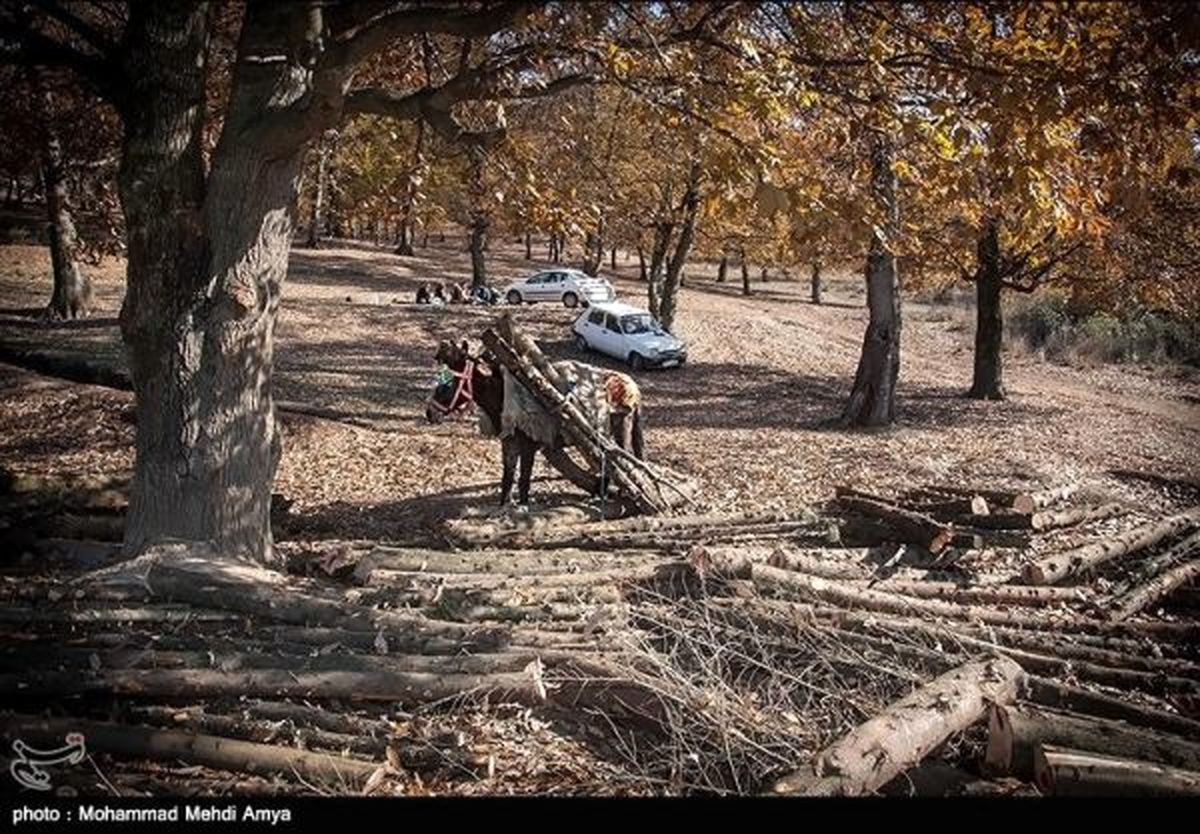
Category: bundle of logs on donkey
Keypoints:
(948, 639)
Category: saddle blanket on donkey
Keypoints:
(600, 394)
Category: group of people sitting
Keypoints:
(437, 292)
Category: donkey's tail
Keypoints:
(639, 447)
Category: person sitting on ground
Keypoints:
(483, 295)
(423, 296)
(457, 296)
(439, 293)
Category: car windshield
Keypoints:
(640, 323)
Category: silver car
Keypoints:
(570, 286)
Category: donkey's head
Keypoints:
(452, 386)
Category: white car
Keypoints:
(629, 334)
(570, 286)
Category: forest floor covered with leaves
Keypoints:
(752, 417)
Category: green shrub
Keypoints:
(1046, 326)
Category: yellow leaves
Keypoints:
(771, 199)
(904, 171)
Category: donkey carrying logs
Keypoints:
(508, 413)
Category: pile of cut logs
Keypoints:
(264, 674)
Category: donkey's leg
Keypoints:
(509, 450)
(528, 454)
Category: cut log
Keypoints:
(1051, 693)
(853, 596)
(908, 526)
(1150, 568)
(1143, 596)
(385, 561)
(906, 731)
(735, 562)
(1020, 595)
(1045, 520)
(738, 563)
(193, 572)
(1060, 566)
(195, 719)
(1151, 682)
(143, 614)
(951, 509)
(1062, 772)
(1018, 502)
(1015, 732)
(171, 745)
(398, 687)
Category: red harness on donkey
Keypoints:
(464, 393)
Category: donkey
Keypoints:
(478, 380)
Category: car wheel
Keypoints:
(581, 344)
(570, 299)
(514, 297)
(636, 362)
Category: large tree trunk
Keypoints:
(72, 295)
(722, 268)
(642, 273)
(206, 263)
(745, 274)
(816, 282)
(988, 383)
(683, 247)
(873, 398)
(528, 246)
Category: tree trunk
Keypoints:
(612, 260)
(873, 399)
(317, 222)
(683, 247)
(479, 219)
(594, 250)
(528, 246)
(816, 282)
(72, 294)
(658, 257)
(766, 275)
(206, 263)
(404, 240)
(745, 274)
(988, 382)
(906, 731)
(642, 273)
(722, 268)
